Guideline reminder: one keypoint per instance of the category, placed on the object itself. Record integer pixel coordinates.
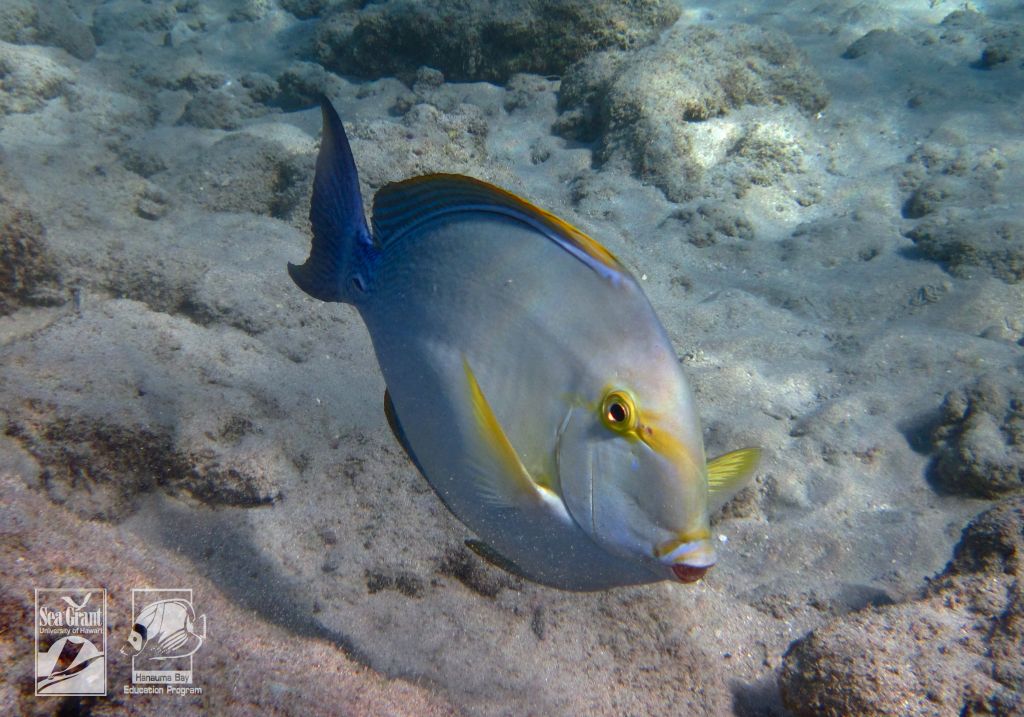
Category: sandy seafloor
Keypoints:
(838, 260)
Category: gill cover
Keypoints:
(619, 491)
(575, 466)
(631, 482)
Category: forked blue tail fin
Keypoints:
(341, 239)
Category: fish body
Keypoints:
(528, 376)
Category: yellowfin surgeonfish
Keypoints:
(528, 377)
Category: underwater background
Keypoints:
(822, 200)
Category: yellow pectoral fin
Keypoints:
(503, 479)
(729, 474)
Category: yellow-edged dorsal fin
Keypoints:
(729, 474)
(402, 207)
(501, 476)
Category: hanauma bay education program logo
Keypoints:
(166, 634)
(71, 641)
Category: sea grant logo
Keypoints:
(71, 641)
(165, 636)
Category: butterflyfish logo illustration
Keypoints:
(165, 636)
(71, 641)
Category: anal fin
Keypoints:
(398, 431)
(492, 556)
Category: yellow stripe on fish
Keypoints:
(502, 476)
(619, 412)
(684, 538)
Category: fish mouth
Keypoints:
(689, 573)
(689, 561)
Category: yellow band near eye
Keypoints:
(619, 413)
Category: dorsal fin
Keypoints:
(402, 206)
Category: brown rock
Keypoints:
(490, 40)
(956, 650)
(28, 272)
(979, 444)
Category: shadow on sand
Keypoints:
(218, 544)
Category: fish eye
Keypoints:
(618, 412)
